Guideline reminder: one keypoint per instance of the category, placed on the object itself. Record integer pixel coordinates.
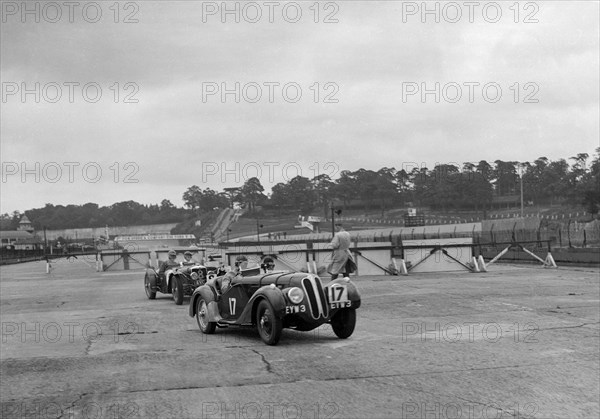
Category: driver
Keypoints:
(187, 259)
(224, 282)
(167, 264)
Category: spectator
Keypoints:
(341, 252)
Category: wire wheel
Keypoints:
(269, 326)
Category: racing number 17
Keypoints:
(338, 296)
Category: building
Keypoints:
(23, 238)
(25, 225)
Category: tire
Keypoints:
(149, 283)
(269, 326)
(201, 317)
(343, 323)
(177, 290)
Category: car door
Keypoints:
(233, 302)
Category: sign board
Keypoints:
(141, 237)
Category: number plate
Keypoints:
(338, 296)
(295, 309)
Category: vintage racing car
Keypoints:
(277, 300)
(178, 281)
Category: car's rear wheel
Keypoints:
(343, 323)
(149, 285)
(202, 317)
(269, 326)
(177, 290)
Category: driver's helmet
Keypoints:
(187, 254)
(172, 254)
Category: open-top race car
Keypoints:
(276, 300)
(179, 281)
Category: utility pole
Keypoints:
(332, 221)
(45, 241)
(258, 227)
(521, 177)
(521, 195)
(333, 212)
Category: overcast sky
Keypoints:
(506, 90)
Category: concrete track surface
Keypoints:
(519, 341)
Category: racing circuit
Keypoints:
(517, 341)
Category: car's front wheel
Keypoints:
(268, 324)
(177, 290)
(202, 317)
(343, 323)
(149, 285)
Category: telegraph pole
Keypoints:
(332, 221)
(521, 195)
(521, 178)
(258, 227)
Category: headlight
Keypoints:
(194, 275)
(296, 295)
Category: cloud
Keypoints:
(368, 56)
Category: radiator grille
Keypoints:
(316, 297)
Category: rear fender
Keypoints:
(151, 273)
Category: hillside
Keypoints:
(267, 222)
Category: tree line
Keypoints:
(55, 217)
(474, 186)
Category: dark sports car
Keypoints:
(277, 300)
(178, 281)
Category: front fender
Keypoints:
(272, 294)
(168, 276)
(353, 294)
(203, 291)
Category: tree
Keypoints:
(485, 170)
(419, 178)
(301, 194)
(533, 179)
(579, 167)
(192, 197)
(365, 181)
(323, 187)
(554, 181)
(279, 196)
(252, 192)
(442, 188)
(232, 194)
(385, 187)
(589, 187)
(345, 188)
(403, 185)
(505, 174)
